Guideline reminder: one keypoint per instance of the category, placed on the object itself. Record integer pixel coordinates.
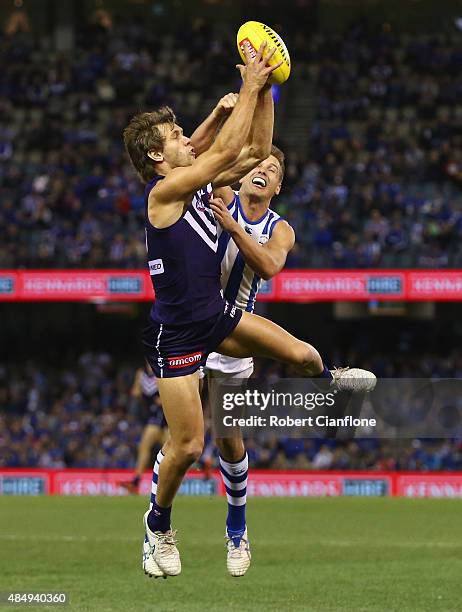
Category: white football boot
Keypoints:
(149, 565)
(162, 552)
(353, 379)
(238, 558)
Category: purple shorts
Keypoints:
(157, 418)
(178, 350)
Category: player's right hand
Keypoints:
(226, 104)
(222, 214)
(256, 71)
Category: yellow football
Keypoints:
(254, 33)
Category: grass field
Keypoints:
(340, 554)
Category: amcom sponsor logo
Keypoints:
(184, 360)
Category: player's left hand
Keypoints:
(226, 105)
(222, 214)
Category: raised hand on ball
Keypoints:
(256, 72)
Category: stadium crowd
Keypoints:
(86, 416)
(378, 183)
(382, 184)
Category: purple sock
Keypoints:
(159, 518)
(326, 373)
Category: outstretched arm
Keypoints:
(265, 260)
(205, 134)
(181, 182)
(257, 148)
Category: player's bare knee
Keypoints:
(307, 360)
(189, 452)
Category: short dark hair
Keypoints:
(142, 135)
(279, 155)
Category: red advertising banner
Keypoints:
(94, 482)
(26, 482)
(107, 482)
(429, 485)
(313, 285)
(288, 286)
(88, 483)
(262, 483)
(319, 484)
(435, 285)
(75, 285)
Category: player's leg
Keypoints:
(183, 411)
(259, 337)
(231, 449)
(152, 435)
(255, 336)
(234, 469)
(182, 406)
(234, 465)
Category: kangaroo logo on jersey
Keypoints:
(248, 230)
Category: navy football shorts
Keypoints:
(157, 418)
(154, 415)
(177, 350)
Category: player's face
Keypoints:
(178, 150)
(264, 181)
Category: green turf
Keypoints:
(308, 554)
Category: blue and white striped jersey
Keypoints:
(239, 282)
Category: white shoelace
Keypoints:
(339, 371)
(235, 551)
(167, 542)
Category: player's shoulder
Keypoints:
(173, 176)
(275, 219)
(155, 197)
(279, 218)
(158, 189)
(273, 213)
(234, 197)
(280, 227)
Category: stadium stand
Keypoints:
(84, 416)
(374, 183)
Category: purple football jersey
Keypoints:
(183, 263)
